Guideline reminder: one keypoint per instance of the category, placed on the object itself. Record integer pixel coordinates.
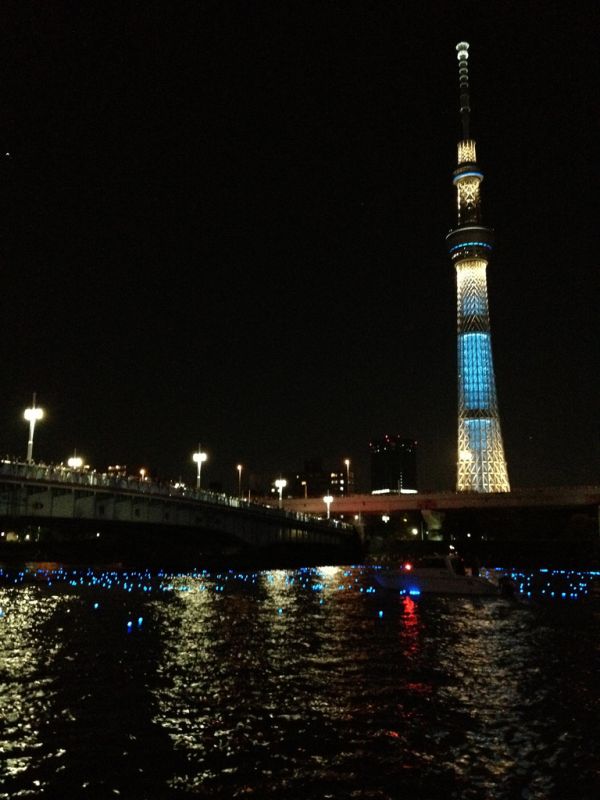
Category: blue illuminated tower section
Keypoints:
(481, 463)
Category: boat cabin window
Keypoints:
(431, 563)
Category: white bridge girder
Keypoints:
(40, 502)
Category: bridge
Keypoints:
(354, 504)
(560, 524)
(59, 512)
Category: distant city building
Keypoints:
(316, 481)
(393, 465)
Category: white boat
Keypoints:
(437, 574)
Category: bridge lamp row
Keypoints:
(199, 458)
(280, 484)
(32, 415)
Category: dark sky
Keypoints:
(224, 222)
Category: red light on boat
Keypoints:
(408, 566)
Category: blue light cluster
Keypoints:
(475, 365)
(554, 584)
(542, 584)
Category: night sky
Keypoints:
(224, 223)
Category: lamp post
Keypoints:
(239, 469)
(32, 415)
(328, 500)
(305, 484)
(199, 457)
(280, 483)
(75, 462)
(347, 463)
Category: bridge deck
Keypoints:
(445, 501)
(84, 501)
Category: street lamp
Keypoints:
(305, 484)
(32, 415)
(75, 462)
(239, 469)
(328, 500)
(347, 463)
(280, 483)
(199, 458)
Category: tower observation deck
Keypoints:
(481, 465)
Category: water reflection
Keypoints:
(242, 661)
(305, 683)
(73, 690)
(26, 676)
(492, 682)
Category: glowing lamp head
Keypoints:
(199, 458)
(281, 483)
(33, 414)
(462, 51)
(408, 566)
(328, 499)
(75, 462)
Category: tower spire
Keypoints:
(462, 53)
(481, 466)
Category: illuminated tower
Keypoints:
(481, 462)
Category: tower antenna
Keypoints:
(462, 53)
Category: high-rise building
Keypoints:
(481, 462)
(316, 481)
(393, 465)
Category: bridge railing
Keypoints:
(58, 473)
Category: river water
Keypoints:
(298, 684)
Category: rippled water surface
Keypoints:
(303, 684)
